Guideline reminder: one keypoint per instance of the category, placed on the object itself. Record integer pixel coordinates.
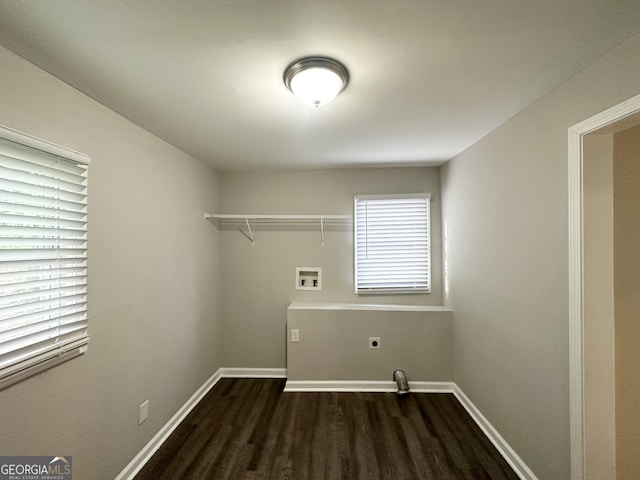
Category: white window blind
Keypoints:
(43, 255)
(392, 251)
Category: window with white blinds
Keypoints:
(391, 237)
(43, 255)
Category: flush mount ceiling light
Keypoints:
(316, 80)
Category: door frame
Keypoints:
(576, 272)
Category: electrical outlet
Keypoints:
(374, 343)
(144, 412)
(295, 335)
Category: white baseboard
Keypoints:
(492, 434)
(364, 386)
(130, 471)
(159, 438)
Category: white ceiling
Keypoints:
(428, 77)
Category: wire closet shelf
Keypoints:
(226, 220)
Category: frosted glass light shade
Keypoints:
(316, 81)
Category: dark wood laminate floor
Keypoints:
(249, 429)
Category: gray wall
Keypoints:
(334, 344)
(505, 221)
(258, 281)
(153, 291)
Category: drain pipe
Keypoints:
(401, 379)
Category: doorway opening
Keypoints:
(591, 287)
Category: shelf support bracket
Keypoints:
(321, 232)
(250, 236)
